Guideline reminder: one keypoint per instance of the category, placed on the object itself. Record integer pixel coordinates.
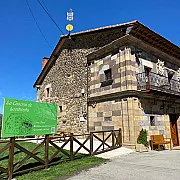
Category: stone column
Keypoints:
(127, 107)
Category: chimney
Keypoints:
(44, 61)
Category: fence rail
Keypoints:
(106, 141)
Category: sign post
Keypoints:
(70, 17)
(27, 118)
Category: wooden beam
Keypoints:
(4, 148)
(29, 153)
(27, 157)
(46, 154)
(11, 158)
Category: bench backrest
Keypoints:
(157, 138)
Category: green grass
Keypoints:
(63, 169)
(53, 172)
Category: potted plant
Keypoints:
(142, 143)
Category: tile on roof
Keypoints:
(102, 28)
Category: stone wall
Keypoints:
(114, 114)
(122, 65)
(67, 79)
(134, 113)
(131, 115)
(105, 116)
(159, 112)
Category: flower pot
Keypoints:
(141, 148)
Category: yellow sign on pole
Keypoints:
(69, 27)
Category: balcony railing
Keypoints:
(157, 82)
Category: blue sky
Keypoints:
(22, 47)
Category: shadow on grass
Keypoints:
(7, 157)
(32, 164)
(56, 160)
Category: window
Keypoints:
(47, 92)
(152, 120)
(170, 76)
(60, 108)
(108, 74)
(107, 78)
(108, 118)
(147, 75)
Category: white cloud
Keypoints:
(28, 96)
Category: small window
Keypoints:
(108, 118)
(60, 108)
(152, 120)
(47, 92)
(108, 74)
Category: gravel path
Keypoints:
(136, 166)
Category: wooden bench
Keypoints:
(159, 140)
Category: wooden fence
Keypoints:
(106, 140)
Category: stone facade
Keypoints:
(122, 65)
(105, 80)
(120, 103)
(67, 80)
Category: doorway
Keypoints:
(147, 76)
(173, 127)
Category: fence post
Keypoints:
(46, 155)
(113, 144)
(91, 143)
(11, 157)
(120, 137)
(71, 147)
(103, 140)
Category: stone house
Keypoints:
(121, 76)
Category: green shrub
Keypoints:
(142, 138)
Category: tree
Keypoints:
(142, 138)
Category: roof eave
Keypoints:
(151, 37)
(107, 48)
(105, 28)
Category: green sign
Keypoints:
(25, 118)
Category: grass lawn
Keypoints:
(53, 172)
(63, 169)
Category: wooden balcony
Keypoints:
(153, 81)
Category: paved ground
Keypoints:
(107, 155)
(125, 164)
(153, 165)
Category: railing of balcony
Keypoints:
(157, 82)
